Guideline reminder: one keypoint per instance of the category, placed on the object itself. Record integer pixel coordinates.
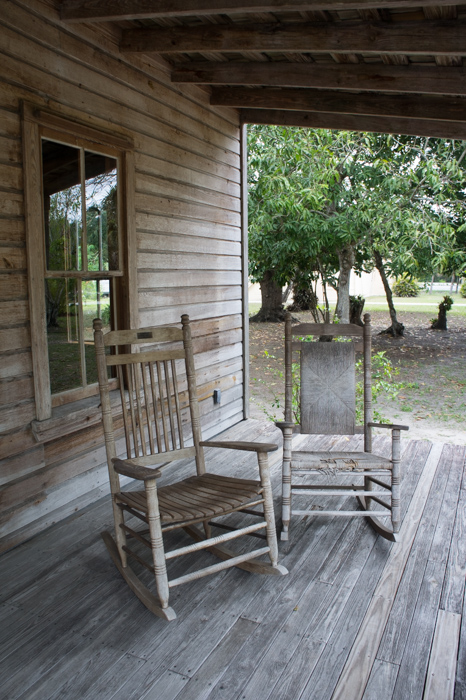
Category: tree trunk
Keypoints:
(346, 258)
(287, 293)
(397, 329)
(272, 307)
(440, 324)
(303, 299)
(356, 309)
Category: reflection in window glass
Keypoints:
(82, 240)
(101, 212)
(63, 334)
(72, 305)
(62, 206)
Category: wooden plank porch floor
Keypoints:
(356, 617)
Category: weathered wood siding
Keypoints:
(188, 248)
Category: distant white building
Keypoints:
(369, 284)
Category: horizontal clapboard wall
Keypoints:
(187, 248)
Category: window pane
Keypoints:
(62, 206)
(96, 304)
(72, 306)
(63, 334)
(101, 212)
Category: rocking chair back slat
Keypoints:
(155, 403)
(149, 415)
(177, 406)
(333, 329)
(162, 403)
(151, 405)
(142, 335)
(166, 366)
(124, 409)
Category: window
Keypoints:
(82, 256)
(78, 250)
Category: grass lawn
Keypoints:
(424, 302)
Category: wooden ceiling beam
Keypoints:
(381, 125)
(339, 102)
(105, 10)
(437, 80)
(447, 38)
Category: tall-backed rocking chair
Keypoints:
(155, 416)
(327, 406)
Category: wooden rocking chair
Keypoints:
(156, 418)
(327, 406)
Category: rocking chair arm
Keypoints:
(248, 446)
(134, 471)
(390, 426)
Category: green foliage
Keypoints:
(447, 302)
(463, 290)
(383, 373)
(105, 315)
(405, 287)
(290, 172)
(313, 192)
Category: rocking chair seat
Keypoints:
(338, 461)
(198, 498)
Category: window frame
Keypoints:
(37, 124)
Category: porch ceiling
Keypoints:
(394, 66)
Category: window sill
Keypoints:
(68, 419)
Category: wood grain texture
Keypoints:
(381, 681)
(443, 657)
(238, 636)
(428, 37)
(460, 681)
(185, 151)
(398, 79)
(79, 10)
(417, 107)
(453, 592)
(364, 650)
(410, 679)
(379, 124)
(397, 629)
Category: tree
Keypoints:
(289, 172)
(327, 202)
(440, 323)
(423, 181)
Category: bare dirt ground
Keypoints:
(431, 396)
